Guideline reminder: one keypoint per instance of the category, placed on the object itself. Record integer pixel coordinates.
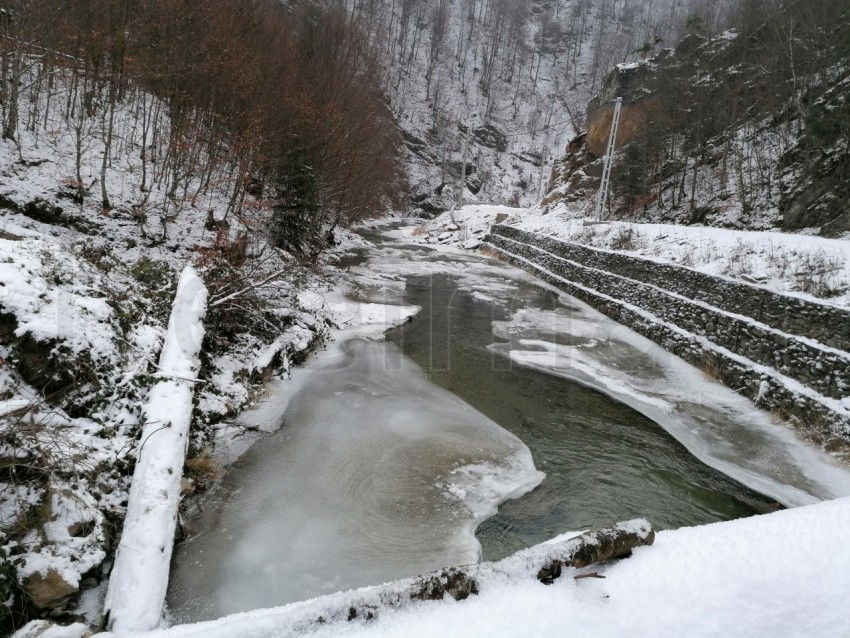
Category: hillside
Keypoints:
(747, 129)
(519, 73)
(123, 159)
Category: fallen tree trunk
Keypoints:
(543, 562)
(139, 579)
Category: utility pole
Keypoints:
(462, 181)
(608, 160)
(544, 164)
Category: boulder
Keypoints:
(473, 183)
(48, 591)
(491, 137)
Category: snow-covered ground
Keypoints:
(84, 300)
(804, 265)
(780, 575)
(807, 266)
(465, 227)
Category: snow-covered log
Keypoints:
(139, 579)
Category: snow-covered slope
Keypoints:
(84, 300)
(801, 265)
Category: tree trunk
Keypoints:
(136, 595)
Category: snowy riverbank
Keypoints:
(814, 268)
(779, 575)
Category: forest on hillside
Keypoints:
(519, 73)
(283, 103)
(742, 123)
(750, 128)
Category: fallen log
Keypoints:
(549, 561)
(596, 547)
(136, 594)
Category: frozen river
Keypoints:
(392, 455)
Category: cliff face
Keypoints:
(630, 82)
(707, 136)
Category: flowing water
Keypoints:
(604, 461)
(394, 454)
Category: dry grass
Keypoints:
(710, 367)
(491, 252)
(202, 468)
(420, 230)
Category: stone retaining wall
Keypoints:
(753, 359)
(825, 370)
(827, 324)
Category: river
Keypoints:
(394, 455)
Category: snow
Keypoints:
(465, 227)
(139, 578)
(781, 575)
(346, 314)
(792, 264)
(55, 297)
(45, 629)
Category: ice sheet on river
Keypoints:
(378, 474)
(718, 426)
(721, 428)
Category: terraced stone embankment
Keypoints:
(788, 354)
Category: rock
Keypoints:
(473, 183)
(48, 591)
(78, 530)
(187, 486)
(491, 137)
(89, 583)
(446, 235)
(45, 629)
(472, 244)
